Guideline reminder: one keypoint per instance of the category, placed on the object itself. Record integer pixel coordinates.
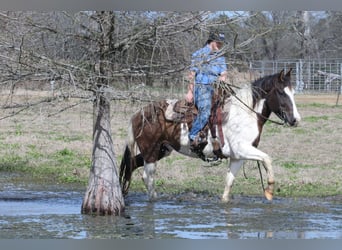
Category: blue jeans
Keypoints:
(202, 99)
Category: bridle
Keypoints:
(229, 87)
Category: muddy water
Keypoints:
(36, 210)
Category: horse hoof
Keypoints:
(268, 195)
(224, 200)
(153, 197)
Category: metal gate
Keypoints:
(323, 76)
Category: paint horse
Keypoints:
(152, 137)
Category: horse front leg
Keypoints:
(249, 152)
(269, 190)
(234, 167)
(148, 177)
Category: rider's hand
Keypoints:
(189, 97)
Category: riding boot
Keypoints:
(198, 144)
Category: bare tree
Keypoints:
(327, 32)
(103, 195)
(302, 27)
(95, 53)
(87, 55)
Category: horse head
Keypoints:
(280, 99)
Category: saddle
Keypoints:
(180, 111)
(183, 112)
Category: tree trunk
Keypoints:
(103, 195)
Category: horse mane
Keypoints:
(262, 85)
(250, 93)
(245, 96)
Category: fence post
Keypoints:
(339, 92)
(299, 76)
(340, 79)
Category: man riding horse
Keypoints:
(207, 67)
(237, 117)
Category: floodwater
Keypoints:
(38, 211)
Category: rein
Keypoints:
(229, 87)
(260, 173)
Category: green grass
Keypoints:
(272, 129)
(68, 138)
(57, 166)
(338, 116)
(314, 105)
(294, 165)
(301, 131)
(52, 156)
(307, 189)
(33, 152)
(9, 147)
(122, 133)
(170, 161)
(315, 118)
(213, 185)
(18, 129)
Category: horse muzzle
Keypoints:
(290, 121)
(294, 122)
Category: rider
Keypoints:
(206, 68)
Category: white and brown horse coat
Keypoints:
(152, 136)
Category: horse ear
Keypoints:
(289, 72)
(281, 75)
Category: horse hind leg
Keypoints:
(148, 177)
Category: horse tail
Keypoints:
(129, 162)
(126, 170)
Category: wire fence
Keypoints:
(318, 76)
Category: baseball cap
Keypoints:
(217, 37)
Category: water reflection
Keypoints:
(245, 218)
(55, 213)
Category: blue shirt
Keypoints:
(207, 69)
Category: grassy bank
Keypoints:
(307, 159)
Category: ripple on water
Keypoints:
(54, 212)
